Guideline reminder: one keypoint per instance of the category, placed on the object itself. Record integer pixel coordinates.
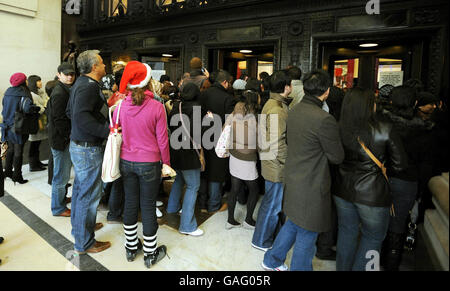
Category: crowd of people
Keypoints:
(336, 168)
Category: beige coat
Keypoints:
(297, 93)
(40, 100)
(272, 138)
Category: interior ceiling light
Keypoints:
(167, 55)
(368, 45)
(246, 51)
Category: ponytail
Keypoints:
(138, 95)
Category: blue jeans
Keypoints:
(188, 222)
(141, 185)
(304, 242)
(267, 221)
(61, 176)
(404, 195)
(215, 196)
(374, 221)
(86, 193)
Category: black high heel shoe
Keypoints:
(20, 181)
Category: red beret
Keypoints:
(17, 79)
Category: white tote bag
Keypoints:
(224, 143)
(111, 158)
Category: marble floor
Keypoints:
(35, 240)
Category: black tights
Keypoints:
(251, 203)
(14, 158)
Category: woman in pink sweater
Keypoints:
(145, 146)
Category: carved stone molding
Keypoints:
(295, 28)
(211, 36)
(324, 25)
(426, 16)
(271, 29)
(295, 52)
(435, 67)
(176, 39)
(193, 37)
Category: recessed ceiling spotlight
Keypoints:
(167, 55)
(368, 45)
(246, 51)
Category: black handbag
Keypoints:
(25, 123)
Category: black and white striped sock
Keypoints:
(131, 236)
(149, 244)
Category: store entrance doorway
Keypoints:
(372, 64)
(239, 60)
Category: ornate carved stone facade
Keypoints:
(295, 29)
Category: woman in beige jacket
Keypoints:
(39, 99)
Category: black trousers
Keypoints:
(50, 168)
(14, 159)
(33, 153)
(326, 240)
(236, 185)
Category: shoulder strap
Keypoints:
(22, 104)
(186, 130)
(372, 156)
(116, 125)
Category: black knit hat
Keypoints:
(425, 98)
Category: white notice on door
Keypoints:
(392, 78)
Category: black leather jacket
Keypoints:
(361, 180)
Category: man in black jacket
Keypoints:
(88, 111)
(59, 138)
(218, 103)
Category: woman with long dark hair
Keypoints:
(16, 97)
(364, 197)
(39, 99)
(185, 160)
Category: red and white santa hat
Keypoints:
(135, 75)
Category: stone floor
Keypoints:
(35, 240)
(32, 234)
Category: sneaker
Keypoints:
(158, 213)
(283, 267)
(248, 225)
(159, 203)
(197, 232)
(230, 226)
(131, 254)
(156, 256)
(260, 248)
(180, 212)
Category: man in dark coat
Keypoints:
(88, 112)
(313, 142)
(217, 102)
(59, 137)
